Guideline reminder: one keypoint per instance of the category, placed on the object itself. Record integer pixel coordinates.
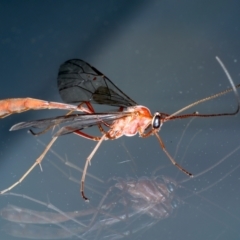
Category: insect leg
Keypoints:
(86, 166)
(37, 162)
(147, 134)
(108, 125)
(87, 136)
(90, 107)
(170, 157)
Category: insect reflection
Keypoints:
(82, 84)
(129, 207)
(124, 205)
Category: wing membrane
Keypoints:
(78, 81)
(77, 121)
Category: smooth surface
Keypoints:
(161, 54)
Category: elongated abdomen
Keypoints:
(18, 105)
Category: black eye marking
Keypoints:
(156, 121)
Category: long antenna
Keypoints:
(234, 89)
(230, 80)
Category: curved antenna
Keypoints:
(234, 89)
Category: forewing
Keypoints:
(78, 81)
(72, 122)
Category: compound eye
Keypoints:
(156, 121)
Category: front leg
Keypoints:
(147, 134)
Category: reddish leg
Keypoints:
(153, 131)
(91, 110)
(170, 157)
(87, 136)
(147, 134)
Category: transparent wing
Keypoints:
(78, 81)
(77, 121)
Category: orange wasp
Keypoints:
(82, 84)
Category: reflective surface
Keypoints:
(162, 55)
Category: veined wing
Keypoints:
(73, 122)
(78, 81)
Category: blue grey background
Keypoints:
(161, 54)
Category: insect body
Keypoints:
(82, 84)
